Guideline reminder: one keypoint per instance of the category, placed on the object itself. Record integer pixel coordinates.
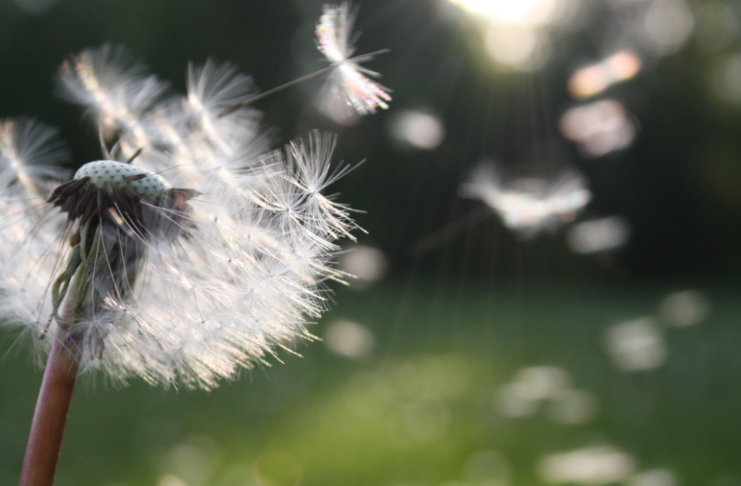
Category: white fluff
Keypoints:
(246, 276)
(348, 79)
(529, 206)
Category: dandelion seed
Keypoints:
(113, 86)
(29, 154)
(348, 79)
(528, 206)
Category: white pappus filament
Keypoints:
(347, 78)
(197, 259)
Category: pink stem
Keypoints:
(52, 407)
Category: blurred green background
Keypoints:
(466, 355)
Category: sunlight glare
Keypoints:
(518, 46)
(523, 12)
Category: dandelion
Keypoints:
(528, 206)
(182, 257)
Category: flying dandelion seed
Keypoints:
(528, 206)
(348, 85)
(347, 78)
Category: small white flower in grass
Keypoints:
(348, 79)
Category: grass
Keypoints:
(421, 410)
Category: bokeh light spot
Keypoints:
(487, 468)
(573, 407)
(590, 466)
(654, 477)
(599, 235)
(194, 460)
(636, 345)
(716, 25)
(368, 264)
(667, 24)
(35, 7)
(170, 480)
(725, 79)
(596, 78)
(523, 12)
(418, 129)
(349, 339)
(683, 309)
(599, 128)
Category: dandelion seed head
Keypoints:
(196, 259)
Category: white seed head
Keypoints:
(175, 290)
(115, 174)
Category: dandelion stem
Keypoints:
(52, 407)
(57, 386)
